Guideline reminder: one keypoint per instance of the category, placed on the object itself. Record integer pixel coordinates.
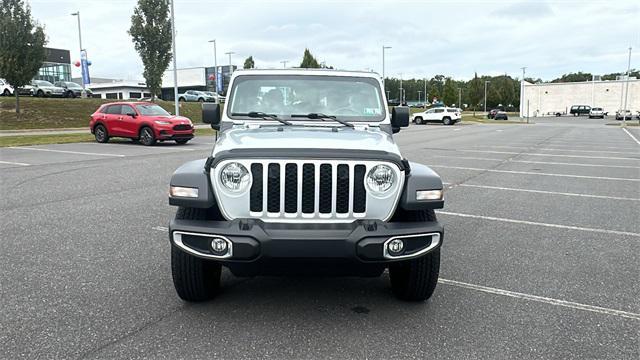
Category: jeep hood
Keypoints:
(294, 137)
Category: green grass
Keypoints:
(469, 118)
(25, 140)
(52, 113)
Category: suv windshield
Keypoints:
(72, 85)
(152, 110)
(348, 98)
(42, 83)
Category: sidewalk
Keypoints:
(27, 132)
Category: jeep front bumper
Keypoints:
(256, 245)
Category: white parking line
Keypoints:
(633, 137)
(535, 162)
(534, 173)
(160, 228)
(546, 192)
(542, 299)
(558, 145)
(14, 163)
(65, 151)
(458, 129)
(568, 227)
(540, 154)
(557, 149)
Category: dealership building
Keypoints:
(197, 78)
(549, 98)
(56, 66)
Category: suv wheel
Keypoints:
(6, 92)
(181, 99)
(200, 100)
(419, 120)
(40, 93)
(195, 279)
(100, 132)
(447, 121)
(146, 136)
(415, 279)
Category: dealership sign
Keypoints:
(85, 67)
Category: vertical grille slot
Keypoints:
(291, 188)
(342, 189)
(255, 196)
(325, 189)
(273, 188)
(308, 188)
(359, 193)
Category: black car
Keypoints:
(500, 115)
(72, 89)
(492, 113)
(577, 110)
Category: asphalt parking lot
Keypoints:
(541, 257)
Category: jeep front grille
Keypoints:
(307, 191)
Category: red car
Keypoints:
(143, 121)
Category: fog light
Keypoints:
(179, 191)
(219, 246)
(429, 195)
(395, 246)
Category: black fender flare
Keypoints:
(194, 174)
(420, 177)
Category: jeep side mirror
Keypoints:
(399, 118)
(211, 115)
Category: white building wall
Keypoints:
(186, 77)
(549, 98)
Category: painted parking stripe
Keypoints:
(160, 228)
(65, 151)
(535, 162)
(535, 173)
(14, 163)
(540, 154)
(542, 299)
(558, 145)
(558, 149)
(546, 192)
(558, 226)
(631, 135)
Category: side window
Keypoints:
(430, 111)
(439, 111)
(113, 109)
(126, 109)
(190, 92)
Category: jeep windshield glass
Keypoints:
(152, 110)
(348, 98)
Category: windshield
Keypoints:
(72, 85)
(348, 98)
(42, 83)
(152, 110)
(596, 109)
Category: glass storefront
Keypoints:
(53, 72)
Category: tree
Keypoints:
(308, 61)
(450, 93)
(151, 33)
(22, 42)
(573, 77)
(248, 63)
(475, 92)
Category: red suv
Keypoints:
(143, 121)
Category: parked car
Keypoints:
(445, 115)
(627, 115)
(143, 121)
(249, 206)
(638, 115)
(492, 113)
(26, 90)
(577, 110)
(501, 115)
(72, 89)
(42, 88)
(596, 112)
(217, 97)
(5, 88)
(194, 95)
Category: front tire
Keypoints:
(100, 133)
(195, 279)
(147, 138)
(6, 92)
(415, 279)
(446, 121)
(419, 121)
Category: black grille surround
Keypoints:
(182, 127)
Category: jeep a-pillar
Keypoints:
(305, 177)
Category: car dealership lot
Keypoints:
(540, 257)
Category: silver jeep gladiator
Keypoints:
(305, 178)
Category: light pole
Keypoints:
(460, 98)
(485, 95)
(419, 92)
(383, 50)
(84, 92)
(175, 69)
(426, 96)
(522, 91)
(284, 63)
(215, 65)
(624, 109)
(230, 67)
(401, 89)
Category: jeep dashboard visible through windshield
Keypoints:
(305, 178)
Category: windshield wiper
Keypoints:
(323, 117)
(261, 115)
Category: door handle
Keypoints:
(120, 118)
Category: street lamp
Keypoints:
(626, 94)
(401, 102)
(175, 69)
(215, 64)
(460, 98)
(84, 92)
(230, 67)
(522, 92)
(419, 92)
(383, 50)
(485, 95)
(426, 96)
(284, 63)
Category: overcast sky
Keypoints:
(454, 38)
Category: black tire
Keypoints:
(146, 136)
(40, 93)
(195, 279)
(200, 100)
(71, 94)
(415, 279)
(6, 92)
(100, 133)
(182, 141)
(419, 120)
(447, 121)
(181, 99)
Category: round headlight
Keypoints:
(235, 177)
(380, 179)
